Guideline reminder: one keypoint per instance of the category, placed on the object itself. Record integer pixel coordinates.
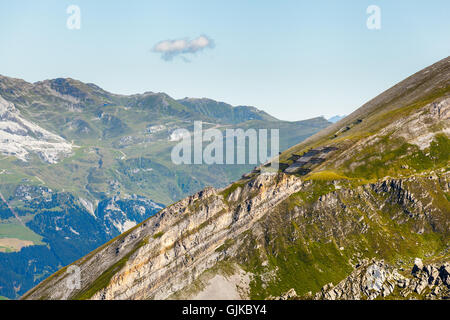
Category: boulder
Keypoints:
(418, 265)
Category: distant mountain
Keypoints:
(336, 119)
(359, 210)
(80, 165)
(127, 130)
(224, 112)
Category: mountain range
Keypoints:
(80, 166)
(359, 210)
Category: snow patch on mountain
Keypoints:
(124, 226)
(89, 206)
(20, 137)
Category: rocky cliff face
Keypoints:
(163, 257)
(376, 279)
(187, 235)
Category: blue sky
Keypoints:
(294, 59)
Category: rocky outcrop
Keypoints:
(166, 253)
(376, 279)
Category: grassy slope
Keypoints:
(306, 252)
(16, 230)
(404, 98)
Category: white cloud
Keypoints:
(172, 48)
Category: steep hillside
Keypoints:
(375, 185)
(430, 85)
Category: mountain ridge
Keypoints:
(71, 87)
(403, 91)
